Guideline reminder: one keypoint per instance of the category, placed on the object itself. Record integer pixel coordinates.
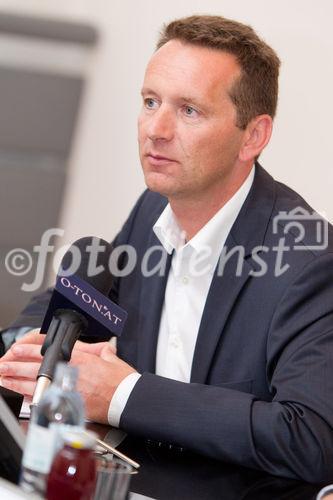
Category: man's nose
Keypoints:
(161, 125)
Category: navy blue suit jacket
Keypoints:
(261, 390)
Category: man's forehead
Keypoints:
(189, 68)
(176, 58)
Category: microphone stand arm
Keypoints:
(66, 327)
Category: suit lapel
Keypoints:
(221, 298)
(151, 302)
(247, 233)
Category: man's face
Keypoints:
(188, 139)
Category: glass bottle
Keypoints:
(61, 406)
(73, 472)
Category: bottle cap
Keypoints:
(79, 438)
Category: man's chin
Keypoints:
(159, 184)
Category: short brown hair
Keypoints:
(256, 91)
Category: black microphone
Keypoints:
(79, 303)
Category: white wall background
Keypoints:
(105, 176)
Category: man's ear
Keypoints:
(257, 134)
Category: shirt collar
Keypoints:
(212, 235)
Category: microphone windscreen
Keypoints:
(88, 258)
(83, 284)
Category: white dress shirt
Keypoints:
(190, 276)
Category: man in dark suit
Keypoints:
(228, 349)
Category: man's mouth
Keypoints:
(158, 160)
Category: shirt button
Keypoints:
(185, 280)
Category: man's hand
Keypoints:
(100, 371)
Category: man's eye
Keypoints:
(189, 111)
(150, 103)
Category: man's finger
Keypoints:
(18, 369)
(26, 387)
(32, 337)
(9, 356)
(26, 351)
